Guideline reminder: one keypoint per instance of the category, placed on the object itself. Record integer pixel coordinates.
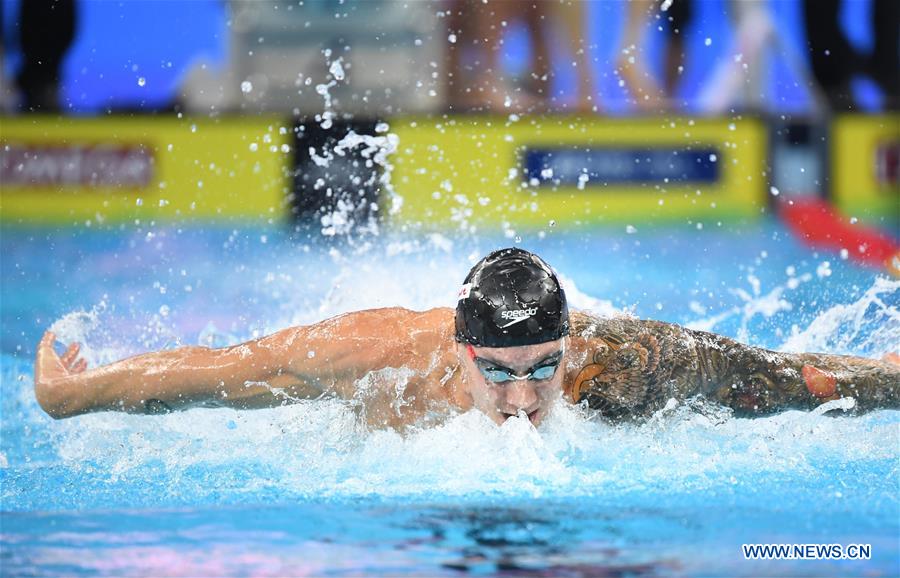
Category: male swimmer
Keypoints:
(512, 349)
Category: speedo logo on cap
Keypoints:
(464, 291)
(519, 313)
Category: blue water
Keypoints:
(307, 490)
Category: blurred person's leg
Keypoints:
(474, 43)
(678, 18)
(737, 82)
(833, 59)
(46, 30)
(540, 70)
(487, 22)
(454, 75)
(572, 14)
(493, 89)
(885, 60)
(631, 64)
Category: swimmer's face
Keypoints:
(500, 400)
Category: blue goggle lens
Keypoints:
(496, 375)
(545, 372)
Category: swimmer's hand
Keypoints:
(50, 373)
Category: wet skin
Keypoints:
(500, 401)
(399, 366)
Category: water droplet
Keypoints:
(451, 39)
(552, 223)
(708, 41)
(336, 70)
(246, 87)
(142, 81)
(774, 190)
(630, 229)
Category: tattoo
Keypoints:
(622, 377)
(156, 406)
(634, 367)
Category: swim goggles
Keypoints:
(494, 373)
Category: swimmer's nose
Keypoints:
(521, 395)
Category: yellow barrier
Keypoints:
(493, 171)
(72, 170)
(864, 152)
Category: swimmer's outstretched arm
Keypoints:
(292, 364)
(633, 367)
(753, 381)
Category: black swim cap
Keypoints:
(511, 298)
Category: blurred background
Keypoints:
(627, 101)
(671, 133)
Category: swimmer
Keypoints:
(510, 348)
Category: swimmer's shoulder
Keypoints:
(393, 323)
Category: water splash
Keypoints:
(320, 449)
(344, 218)
(869, 324)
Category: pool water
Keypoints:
(307, 490)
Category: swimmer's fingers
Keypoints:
(50, 364)
(47, 364)
(78, 366)
(47, 340)
(45, 352)
(50, 373)
(70, 355)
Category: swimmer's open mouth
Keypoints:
(531, 416)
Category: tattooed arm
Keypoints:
(632, 367)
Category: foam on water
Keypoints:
(319, 449)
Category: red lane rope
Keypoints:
(818, 225)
